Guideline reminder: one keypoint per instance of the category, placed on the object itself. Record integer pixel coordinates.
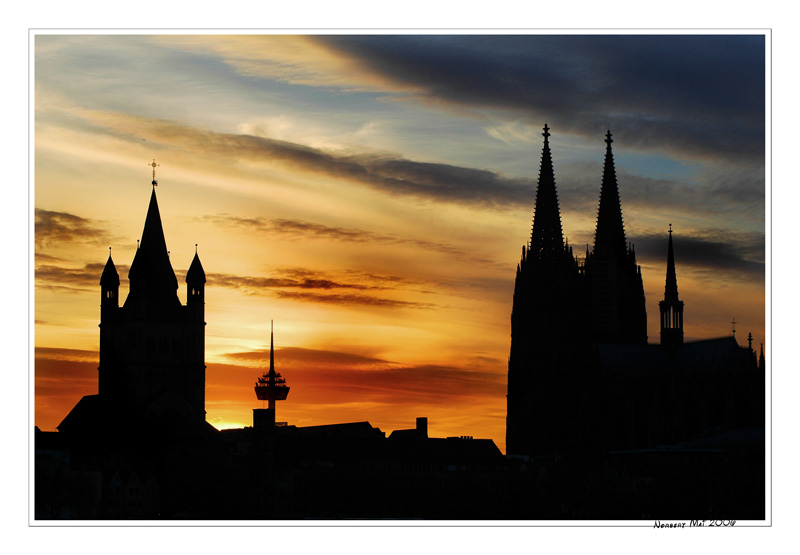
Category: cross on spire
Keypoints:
(670, 229)
(154, 166)
(546, 133)
(608, 138)
(733, 323)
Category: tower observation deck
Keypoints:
(271, 386)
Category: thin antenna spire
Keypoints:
(271, 349)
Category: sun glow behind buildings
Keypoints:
(381, 237)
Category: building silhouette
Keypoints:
(582, 376)
(141, 449)
(600, 423)
(152, 347)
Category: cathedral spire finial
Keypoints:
(154, 166)
(608, 138)
(546, 133)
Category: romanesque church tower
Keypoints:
(152, 348)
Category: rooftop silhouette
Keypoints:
(600, 423)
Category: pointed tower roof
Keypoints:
(196, 274)
(151, 275)
(547, 239)
(671, 288)
(110, 277)
(610, 234)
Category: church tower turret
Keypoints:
(109, 287)
(195, 285)
(671, 307)
(109, 310)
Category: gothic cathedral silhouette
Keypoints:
(581, 374)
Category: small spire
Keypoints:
(733, 323)
(109, 277)
(750, 341)
(671, 288)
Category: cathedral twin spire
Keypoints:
(610, 234)
(547, 236)
(547, 239)
(613, 289)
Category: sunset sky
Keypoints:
(371, 195)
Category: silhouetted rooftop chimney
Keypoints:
(422, 426)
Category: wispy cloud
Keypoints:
(393, 175)
(290, 278)
(353, 300)
(79, 279)
(347, 289)
(293, 229)
(713, 252)
(298, 357)
(670, 92)
(345, 377)
(61, 227)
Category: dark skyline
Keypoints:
(345, 184)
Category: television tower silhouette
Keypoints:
(270, 387)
